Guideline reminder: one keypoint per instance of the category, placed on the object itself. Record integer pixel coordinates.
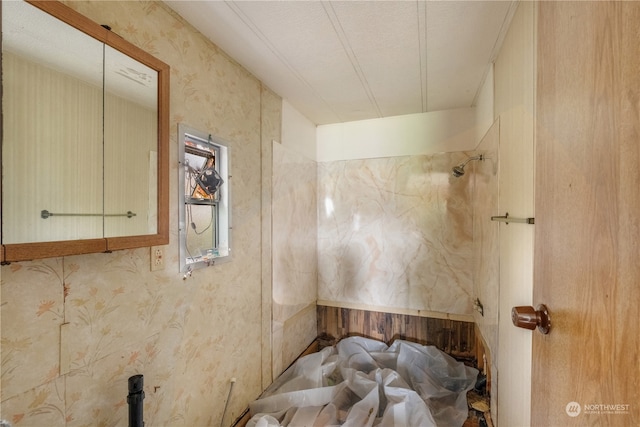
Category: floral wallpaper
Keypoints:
(75, 328)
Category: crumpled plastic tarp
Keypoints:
(363, 382)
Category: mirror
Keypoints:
(84, 136)
(130, 146)
(205, 189)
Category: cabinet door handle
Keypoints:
(528, 317)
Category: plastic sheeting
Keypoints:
(363, 382)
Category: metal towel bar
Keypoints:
(508, 219)
(44, 214)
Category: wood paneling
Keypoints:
(587, 204)
(451, 336)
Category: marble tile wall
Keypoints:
(75, 328)
(295, 255)
(396, 233)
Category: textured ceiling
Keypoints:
(340, 61)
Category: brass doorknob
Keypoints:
(529, 318)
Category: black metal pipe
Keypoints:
(134, 399)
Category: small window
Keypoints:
(204, 183)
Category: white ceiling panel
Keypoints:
(339, 61)
(461, 38)
(391, 85)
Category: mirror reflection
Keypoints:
(80, 134)
(130, 146)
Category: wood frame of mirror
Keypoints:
(38, 250)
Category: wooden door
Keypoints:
(586, 372)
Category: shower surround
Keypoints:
(295, 273)
(396, 234)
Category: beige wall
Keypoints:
(298, 132)
(484, 106)
(514, 100)
(407, 135)
(75, 328)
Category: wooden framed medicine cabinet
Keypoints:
(85, 137)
